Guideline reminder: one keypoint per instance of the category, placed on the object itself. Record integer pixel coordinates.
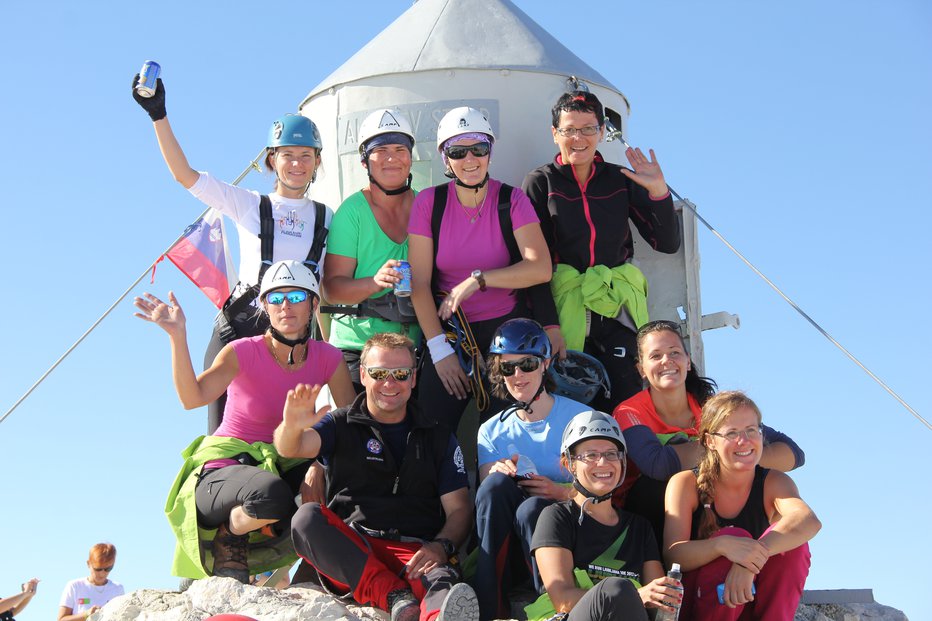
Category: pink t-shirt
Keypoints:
(256, 396)
(466, 246)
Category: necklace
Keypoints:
(284, 365)
(475, 216)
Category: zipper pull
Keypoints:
(395, 487)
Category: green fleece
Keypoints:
(602, 290)
(192, 550)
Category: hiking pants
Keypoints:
(262, 495)
(612, 598)
(615, 345)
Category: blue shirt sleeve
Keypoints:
(771, 435)
(452, 474)
(327, 431)
(654, 459)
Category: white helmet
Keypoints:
(589, 425)
(289, 274)
(462, 120)
(383, 121)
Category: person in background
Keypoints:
(519, 461)
(734, 523)
(468, 261)
(85, 596)
(597, 561)
(584, 204)
(13, 605)
(661, 424)
(298, 224)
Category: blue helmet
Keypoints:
(579, 376)
(521, 336)
(294, 130)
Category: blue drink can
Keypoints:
(148, 78)
(403, 287)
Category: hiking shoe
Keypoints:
(403, 605)
(460, 604)
(230, 555)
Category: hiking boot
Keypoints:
(230, 555)
(460, 604)
(403, 605)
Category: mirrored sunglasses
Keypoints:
(458, 152)
(277, 298)
(401, 374)
(531, 363)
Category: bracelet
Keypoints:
(439, 348)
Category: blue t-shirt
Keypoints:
(539, 440)
(452, 474)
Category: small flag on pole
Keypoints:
(203, 256)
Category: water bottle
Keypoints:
(525, 466)
(666, 615)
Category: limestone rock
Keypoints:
(848, 612)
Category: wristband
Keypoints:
(439, 348)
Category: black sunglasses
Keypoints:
(531, 363)
(458, 152)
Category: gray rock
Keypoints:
(848, 612)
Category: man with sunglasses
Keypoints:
(397, 489)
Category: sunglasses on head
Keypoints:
(458, 152)
(531, 363)
(401, 374)
(277, 298)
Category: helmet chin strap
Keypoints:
(292, 343)
(522, 405)
(396, 191)
(475, 187)
(593, 498)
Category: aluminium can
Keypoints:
(148, 78)
(403, 286)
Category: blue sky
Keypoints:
(800, 129)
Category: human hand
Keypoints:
(169, 318)
(647, 173)
(662, 593)
(557, 342)
(314, 486)
(429, 557)
(508, 467)
(451, 374)
(299, 407)
(738, 586)
(155, 105)
(29, 587)
(537, 485)
(749, 553)
(456, 297)
(90, 611)
(387, 275)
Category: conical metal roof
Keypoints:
(461, 34)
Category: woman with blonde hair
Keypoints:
(738, 530)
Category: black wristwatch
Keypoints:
(448, 548)
(477, 274)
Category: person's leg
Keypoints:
(245, 497)
(351, 358)
(616, 347)
(780, 584)
(434, 398)
(497, 501)
(645, 498)
(525, 522)
(700, 587)
(612, 598)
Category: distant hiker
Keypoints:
(474, 243)
(584, 204)
(85, 596)
(298, 225)
(13, 605)
(399, 503)
(233, 482)
(661, 424)
(732, 522)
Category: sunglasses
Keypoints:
(401, 374)
(107, 569)
(277, 298)
(458, 152)
(526, 365)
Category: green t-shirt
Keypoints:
(355, 233)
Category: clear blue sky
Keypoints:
(800, 129)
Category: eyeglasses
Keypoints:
(750, 434)
(588, 130)
(531, 363)
(379, 374)
(277, 298)
(458, 152)
(107, 569)
(593, 457)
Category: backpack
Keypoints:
(240, 316)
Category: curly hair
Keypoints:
(715, 413)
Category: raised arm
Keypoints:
(294, 436)
(171, 151)
(193, 390)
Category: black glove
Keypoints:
(154, 105)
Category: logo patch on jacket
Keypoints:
(374, 446)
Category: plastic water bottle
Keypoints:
(666, 615)
(524, 466)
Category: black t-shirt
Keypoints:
(603, 551)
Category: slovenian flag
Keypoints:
(203, 256)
